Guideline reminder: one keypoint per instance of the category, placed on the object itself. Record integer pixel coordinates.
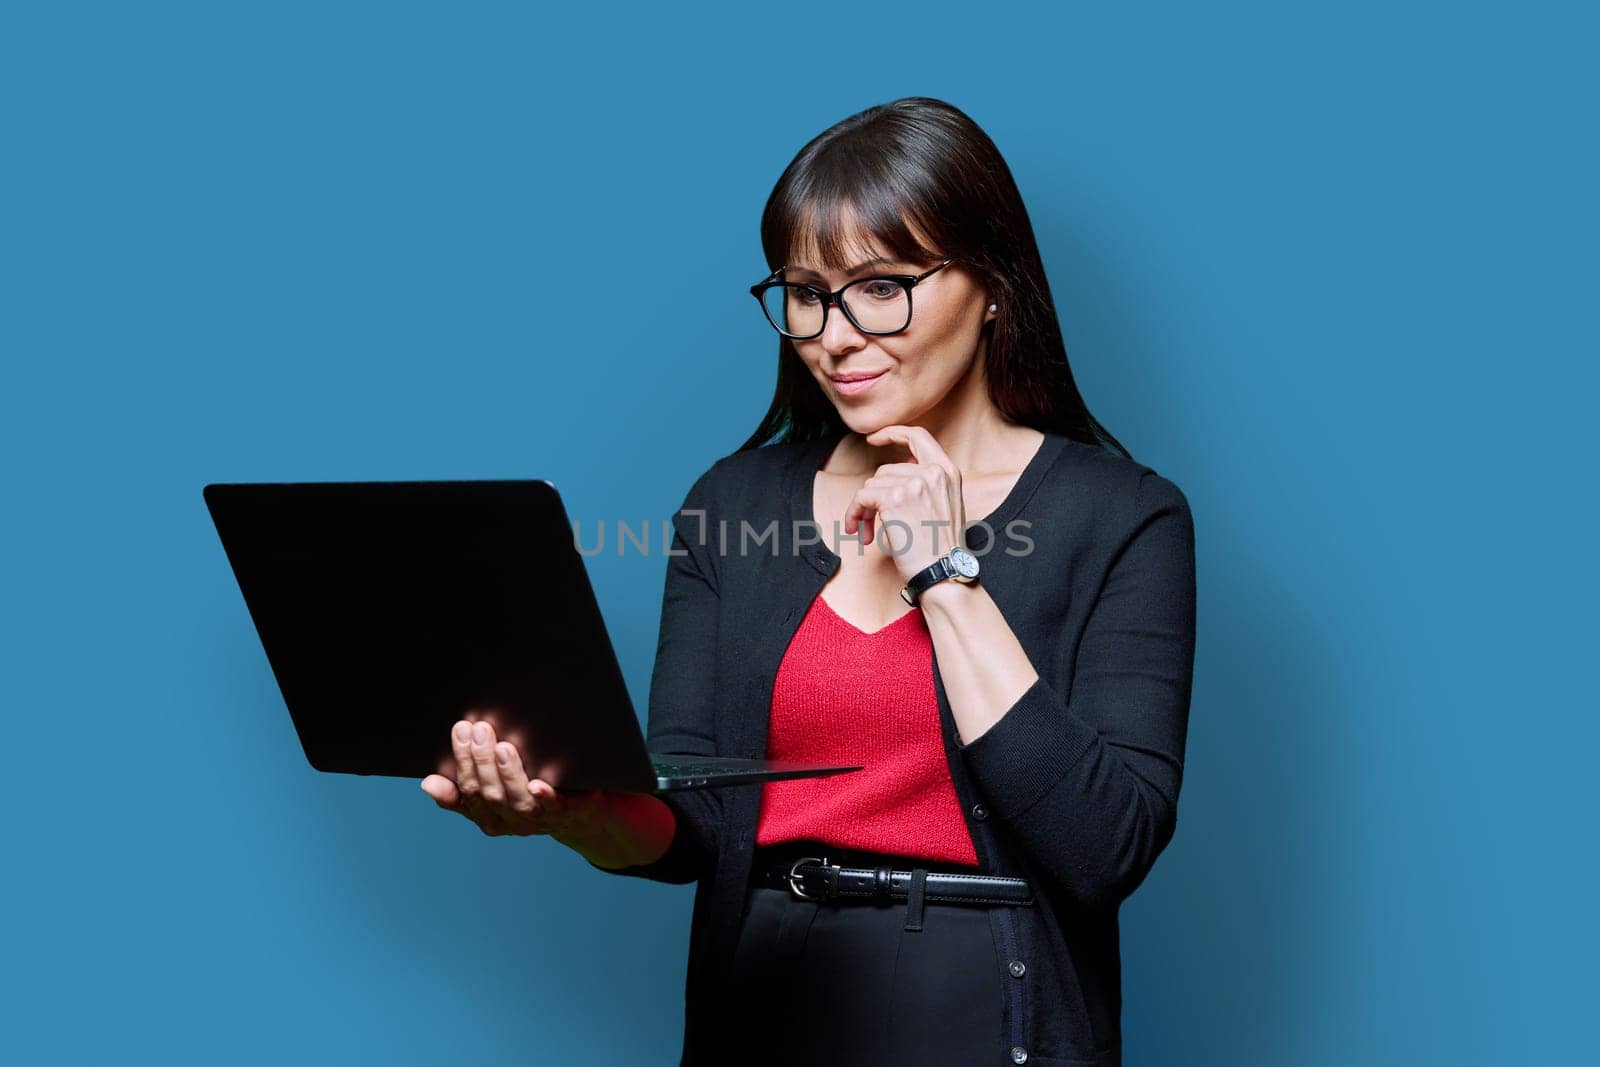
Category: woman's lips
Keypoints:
(859, 385)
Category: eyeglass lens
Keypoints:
(876, 305)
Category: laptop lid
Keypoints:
(388, 610)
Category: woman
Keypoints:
(1022, 727)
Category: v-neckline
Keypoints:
(803, 482)
(865, 633)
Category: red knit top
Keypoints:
(845, 696)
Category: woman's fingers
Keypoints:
(924, 447)
(515, 778)
(466, 768)
(536, 816)
(442, 790)
(489, 787)
(863, 510)
(494, 789)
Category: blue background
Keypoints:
(1323, 269)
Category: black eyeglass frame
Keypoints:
(907, 282)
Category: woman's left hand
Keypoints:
(918, 504)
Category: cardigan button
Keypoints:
(1019, 1055)
(1018, 968)
(980, 812)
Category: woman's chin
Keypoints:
(864, 419)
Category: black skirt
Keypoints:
(845, 982)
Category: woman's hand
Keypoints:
(923, 498)
(493, 790)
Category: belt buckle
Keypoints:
(794, 878)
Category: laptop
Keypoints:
(389, 610)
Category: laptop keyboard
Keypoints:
(686, 769)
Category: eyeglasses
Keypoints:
(875, 305)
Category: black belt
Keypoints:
(814, 878)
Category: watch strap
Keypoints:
(933, 573)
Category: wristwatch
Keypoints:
(958, 563)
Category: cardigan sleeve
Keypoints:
(1087, 782)
(682, 704)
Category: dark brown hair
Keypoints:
(923, 160)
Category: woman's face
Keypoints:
(900, 377)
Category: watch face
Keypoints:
(965, 563)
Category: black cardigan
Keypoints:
(1090, 558)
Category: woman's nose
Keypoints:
(839, 334)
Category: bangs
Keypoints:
(833, 227)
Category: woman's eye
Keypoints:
(881, 290)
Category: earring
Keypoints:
(993, 307)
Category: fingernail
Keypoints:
(463, 732)
(480, 733)
(503, 756)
